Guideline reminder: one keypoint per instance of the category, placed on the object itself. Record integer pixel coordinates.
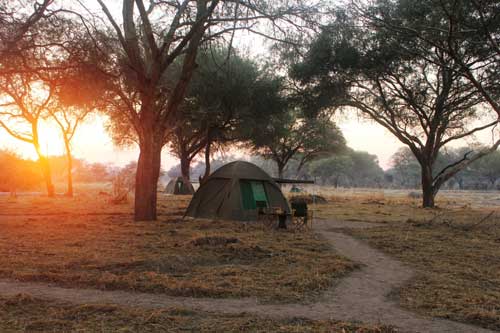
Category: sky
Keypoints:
(368, 136)
(93, 144)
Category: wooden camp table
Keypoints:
(273, 217)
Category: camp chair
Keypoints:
(301, 216)
(265, 216)
(269, 216)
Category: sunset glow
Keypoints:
(249, 166)
(94, 144)
(91, 142)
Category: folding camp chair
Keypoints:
(272, 217)
(301, 216)
(263, 213)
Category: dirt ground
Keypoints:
(359, 297)
(86, 242)
(450, 262)
(28, 314)
(453, 249)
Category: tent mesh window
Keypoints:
(253, 194)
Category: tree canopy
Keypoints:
(289, 134)
(415, 91)
(349, 169)
(144, 49)
(219, 106)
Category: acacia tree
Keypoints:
(223, 91)
(149, 41)
(218, 101)
(68, 119)
(219, 106)
(186, 143)
(17, 24)
(420, 97)
(17, 37)
(288, 135)
(78, 94)
(406, 168)
(356, 168)
(488, 167)
(48, 71)
(467, 31)
(25, 101)
(332, 169)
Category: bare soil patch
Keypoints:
(455, 259)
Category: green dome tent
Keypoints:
(235, 192)
(179, 187)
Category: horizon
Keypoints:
(92, 143)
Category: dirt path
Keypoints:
(359, 297)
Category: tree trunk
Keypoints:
(44, 163)
(300, 167)
(428, 192)
(69, 158)
(146, 179)
(281, 167)
(45, 166)
(207, 162)
(185, 166)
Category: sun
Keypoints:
(50, 142)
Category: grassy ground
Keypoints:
(455, 250)
(23, 313)
(85, 242)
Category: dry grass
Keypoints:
(457, 260)
(85, 242)
(23, 313)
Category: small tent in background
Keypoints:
(179, 186)
(235, 192)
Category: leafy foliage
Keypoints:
(290, 133)
(219, 106)
(351, 169)
(416, 91)
(17, 173)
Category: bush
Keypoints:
(17, 173)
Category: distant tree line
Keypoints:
(482, 174)
(167, 74)
(361, 169)
(349, 169)
(19, 174)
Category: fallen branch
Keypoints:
(472, 226)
